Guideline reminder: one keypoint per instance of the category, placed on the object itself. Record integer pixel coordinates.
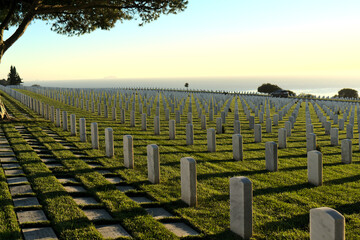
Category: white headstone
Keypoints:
(346, 151)
(109, 142)
(172, 129)
(315, 167)
(310, 142)
(143, 122)
(153, 163)
(326, 224)
(94, 136)
(237, 144)
(73, 124)
(188, 181)
(157, 125)
(189, 134)
(211, 140)
(241, 200)
(271, 156)
(282, 137)
(257, 133)
(82, 126)
(219, 126)
(128, 151)
(334, 136)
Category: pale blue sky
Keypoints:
(231, 39)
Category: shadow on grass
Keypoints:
(11, 235)
(229, 174)
(288, 223)
(275, 190)
(350, 208)
(343, 180)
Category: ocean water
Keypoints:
(229, 85)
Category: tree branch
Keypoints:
(19, 31)
(6, 21)
(46, 9)
(22, 27)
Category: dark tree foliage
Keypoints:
(186, 85)
(76, 17)
(268, 88)
(348, 93)
(306, 95)
(291, 93)
(13, 77)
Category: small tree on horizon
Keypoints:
(348, 93)
(187, 85)
(13, 77)
(268, 88)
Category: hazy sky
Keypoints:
(235, 40)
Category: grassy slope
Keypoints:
(282, 200)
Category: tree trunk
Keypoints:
(2, 50)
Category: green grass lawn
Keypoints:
(282, 200)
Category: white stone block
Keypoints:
(143, 122)
(73, 124)
(282, 137)
(82, 126)
(251, 122)
(157, 125)
(219, 126)
(211, 140)
(268, 125)
(203, 122)
(237, 128)
(153, 163)
(94, 136)
(288, 128)
(128, 151)
(334, 136)
(172, 130)
(189, 134)
(241, 201)
(271, 156)
(310, 142)
(346, 151)
(315, 167)
(257, 133)
(109, 142)
(326, 224)
(188, 181)
(237, 144)
(349, 131)
(65, 121)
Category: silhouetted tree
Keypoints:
(306, 95)
(187, 85)
(291, 93)
(348, 93)
(13, 77)
(268, 88)
(76, 17)
(3, 82)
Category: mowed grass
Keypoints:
(282, 200)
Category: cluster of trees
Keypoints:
(343, 93)
(269, 88)
(347, 93)
(13, 78)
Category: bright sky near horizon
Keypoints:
(210, 39)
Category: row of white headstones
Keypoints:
(325, 223)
